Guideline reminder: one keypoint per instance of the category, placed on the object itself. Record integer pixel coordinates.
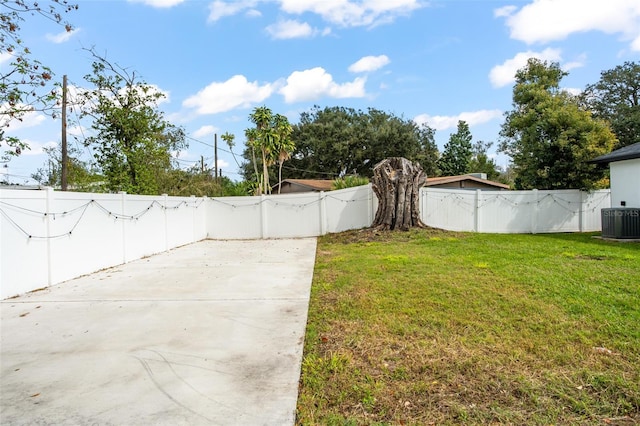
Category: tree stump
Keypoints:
(396, 182)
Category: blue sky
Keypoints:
(430, 61)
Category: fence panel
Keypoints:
(507, 212)
(24, 246)
(84, 237)
(293, 215)
(559, 211)
(350, 208)
(593, 202)
(448, 209)
(234, 218)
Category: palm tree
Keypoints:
(264, 140)
(229, 139)
(252, 137)
(284, 145)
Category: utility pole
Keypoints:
(215, 157)
(202, 163)
(65, 155)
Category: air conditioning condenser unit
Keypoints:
(621, 222)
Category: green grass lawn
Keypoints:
(433, 327)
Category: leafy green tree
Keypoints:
(133, 142)
(23, 83)
(195, 181)
(481, 163)
(616, 99)
(549, 136)
(457, 152)
(333, 142)
(349, 182)
(80, 175)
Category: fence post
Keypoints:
(165, 200)
(422, 193)
(193, 217)
(370, 211)
(476, 218)
(323, 213)
(48, 201)
(123, 201)
(534, 212)
(204, 217)
(581, 212)
(263, 216)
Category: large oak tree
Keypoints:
(549, 136)
(616, 98)
(336, 141)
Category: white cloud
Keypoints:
(158, 3)
(290, 29)
(562, 18)
(503, 75)
(28, 119)
(443, 122)
(220, 9)
(579, 62)
(253, 13)
(316, 83)
(572, 90)
(205, 131)
(62, 37)
(222, 164)
(369, 63)
(79, 131)
(36, 148)
(348, 13)
(504, 11)
(236, 92)
(5, 57)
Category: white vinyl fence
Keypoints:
(513, 212)
(48, 237)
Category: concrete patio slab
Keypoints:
(210, 333)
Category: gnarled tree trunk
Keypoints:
(397, 182)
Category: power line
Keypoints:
(284, 166)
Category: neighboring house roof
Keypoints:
(625, 153)
(442, 180)
(310, 184)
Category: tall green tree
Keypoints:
(25, 84)
(616, 99)
(81, 176)
(195, 181)
(457, 152)
(133, 142)
(334, 142)
(481, 163)
(548, 136)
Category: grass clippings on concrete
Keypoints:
(432, 327)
